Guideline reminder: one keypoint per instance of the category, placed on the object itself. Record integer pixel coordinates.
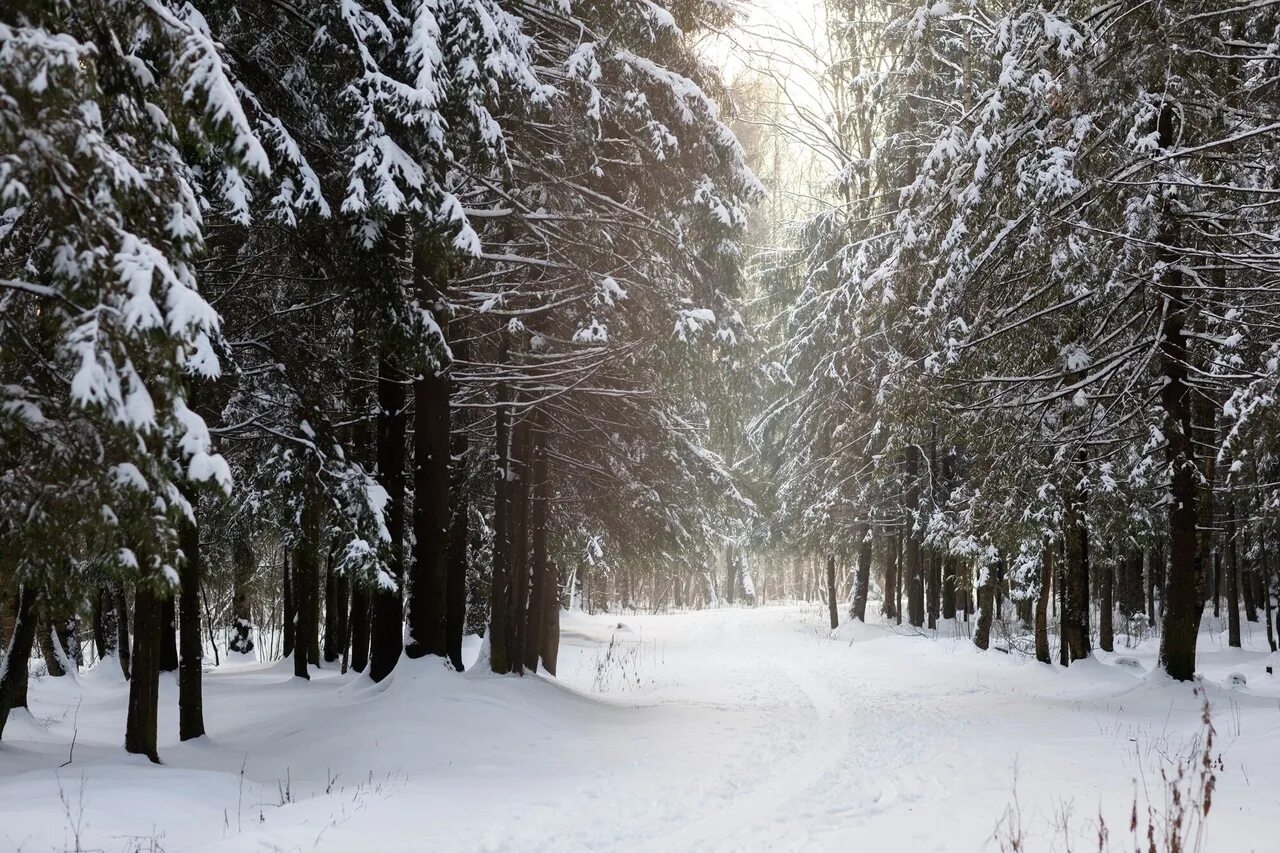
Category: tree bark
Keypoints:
(144, 686)
(306, 584)
(190, 687)
(289, 618)
(459, 534)
(986, 607)
(1106, 606)
(331, 648)
(915, 569)
(1042, 605)
(428, 586)
(540, 588)
(863, 579)
(387, 631)
(1075, 609)
(499, 588)
(13, 670)
(551, 619)
(1232, 568)
(1183, 601)
(949, 588)
(832, 605)
(519, 539)
(169, 633)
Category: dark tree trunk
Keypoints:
(1106, 628)
(13, 670)
(289, 618)
(1042, 605)
(1232, 569)
(833, 606)
(144, 686)
(890, 576)
(986, 607)
(863, 579)
(169, 633)
(519, 539)
(933, 589)
(387, 631)
(342, 621)
(190, 687)
(730, 574)
(914, 568)
(541, 583)
(330, 648)
(428, 586)
(551, 619)
(1060, 581)
(306, 584)
(243, 564)
(1183, 601)
(898, 572)
(949, 588)
(122, 628)
(499, 588)
(1075, 608)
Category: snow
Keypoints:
(728, 729)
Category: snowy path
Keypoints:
(725, 730)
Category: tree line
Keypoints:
(1027, 347)
(403, 314)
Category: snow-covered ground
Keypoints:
(734, 729)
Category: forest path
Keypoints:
(735, 729)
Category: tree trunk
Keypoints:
(863, 580)
(387, 630)
(832, 605)
(428, 585)
(1042, 605)
(144, 686)
(915, 568)
(13, 669)
(499, 588)
(342, 621)
(519, 539)
(551, 619)
(306, 584)
(190, 687)
(331, 649)
(1232, 568)
(1106, 627)
(243, 564)
(1182, 599)
(986, 606)
(539, 591)
(949, 588)
(1075, 608)
(169, 633)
